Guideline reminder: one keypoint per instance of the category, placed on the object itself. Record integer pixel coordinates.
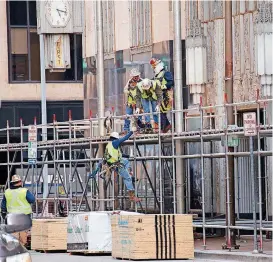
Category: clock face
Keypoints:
(57, 12)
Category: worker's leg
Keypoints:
(129, 111)
(164, 121)
(146, 108)
(123, 172)
(155, 116)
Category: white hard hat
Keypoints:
(114, 135)
(146, 83)
(134, 72)
(15, 179)
(159, 67)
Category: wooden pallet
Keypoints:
(90, 253)
(157, 237)
(49, 234)
(50, 251)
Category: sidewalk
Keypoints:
(214, 250)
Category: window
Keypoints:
(24, 47)
(140, 16)
(108, 12)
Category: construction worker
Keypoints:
(150, 92)
(113, 156)
(164, 78)
(17, 199)
(130, 90)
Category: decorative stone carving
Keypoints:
(195, 28)
(263, 31)
(218, 9)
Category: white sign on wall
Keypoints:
(250, 124)
(32, 133)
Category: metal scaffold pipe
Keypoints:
(44, 115)
(230, 195)
(177, 57)
(100, 89)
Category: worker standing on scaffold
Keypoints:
(150, 93)
(130, 90)
(165, 80)
(114, 157)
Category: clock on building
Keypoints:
(57, 12)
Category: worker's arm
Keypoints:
(30, 197)
(4, 205)
(159, 94)
(138, 98)
(116, 143)
(169, 78)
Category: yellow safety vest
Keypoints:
(111, 154)
(163, 81)
(17, 202)
(132, 96)
(148, 94)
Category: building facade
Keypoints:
(135, 31)
(20, 92)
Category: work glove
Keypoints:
(137, 111)
(134, 129)
(157, 108)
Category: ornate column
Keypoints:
(196, 60)
(263, 46)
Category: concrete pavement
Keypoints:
(38, 257)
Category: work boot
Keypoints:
(132, 196)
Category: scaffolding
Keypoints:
(72, 152)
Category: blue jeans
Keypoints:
(129, 111)
(146, 107)
(123, 172)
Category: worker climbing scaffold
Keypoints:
(114, 160)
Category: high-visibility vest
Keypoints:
(132, 96)
(148, 94)
(17, 202)
(111, 154)
(160, 80)
(167, 102)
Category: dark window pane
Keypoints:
(18, 12)
(32, 13)
(79, 57)
(34, 55)
(69, 74)
(19, 65)
(19, 54)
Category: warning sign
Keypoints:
(32, 134)
(250, 124)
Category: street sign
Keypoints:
(250, 124)
(32, 133)
(32, 145)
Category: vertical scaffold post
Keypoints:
(202, 173)
(8, 157)
(100, 90)
(177, 50)
(230, 117)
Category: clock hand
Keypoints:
(58, 10)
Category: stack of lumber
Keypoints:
(49, 234)
(22, 237)
(152, 237)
